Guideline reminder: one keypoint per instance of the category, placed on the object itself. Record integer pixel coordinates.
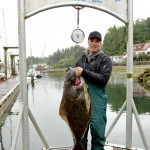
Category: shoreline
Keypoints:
(137, 69)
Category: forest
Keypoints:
(114, 43)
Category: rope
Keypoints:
(78, 13)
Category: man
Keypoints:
(95, 67)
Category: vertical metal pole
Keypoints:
(16, 133)
(5, 51)
(129, 75)
(23, 72)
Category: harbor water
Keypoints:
(44, 99)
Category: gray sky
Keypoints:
(52, 29)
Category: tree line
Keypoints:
(116, 38)
(114, 43)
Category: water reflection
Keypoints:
(44, 99)
(116, 90)
(58, 78)
(117, 96)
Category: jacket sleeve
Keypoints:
(101, 77)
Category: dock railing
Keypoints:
(7, 99)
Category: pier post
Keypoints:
(5, 59)
(129, 87)
(23, 73)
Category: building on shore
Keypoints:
(9, 61)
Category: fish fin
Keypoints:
(62, 113)
(87, 97)
(78, 147)
(62, 109)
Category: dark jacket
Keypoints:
(96, 68)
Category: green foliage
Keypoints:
(115, 39)
(65, 62)
(65, 57)
(141, 31)
(142, 57)
(144, 79)
(35, 60)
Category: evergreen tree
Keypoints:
(115, 41)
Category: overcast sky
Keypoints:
(51, 30)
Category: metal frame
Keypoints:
(75, 4)
(22, 71)
(129, 104)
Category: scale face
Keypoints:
(77, 35)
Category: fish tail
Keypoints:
(78, 147)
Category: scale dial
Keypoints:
(77, 35)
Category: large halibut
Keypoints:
(75, 106)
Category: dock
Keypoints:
(9, 90)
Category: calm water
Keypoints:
(44, 100)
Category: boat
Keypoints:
(39, 74)
(31, 76)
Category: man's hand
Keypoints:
(78, 71)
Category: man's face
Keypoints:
(94, 44)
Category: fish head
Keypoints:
(71, 77)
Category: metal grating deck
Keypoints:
(89, 148)
(107, 147)
(66, 148)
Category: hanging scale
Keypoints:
(78, 35)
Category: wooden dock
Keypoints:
(8, 93)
